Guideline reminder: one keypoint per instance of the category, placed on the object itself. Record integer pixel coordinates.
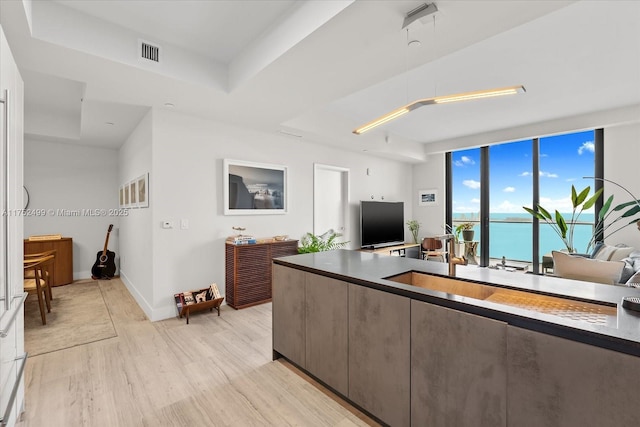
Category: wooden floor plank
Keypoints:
(216, 371)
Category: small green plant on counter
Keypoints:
(320, 243)
(414, 227)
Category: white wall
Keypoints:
(62, 178)
(186, 183)
(430, 175)
(136, 242)
(621, 165)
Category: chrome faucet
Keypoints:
(453, 260)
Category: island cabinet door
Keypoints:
(327, 331)
(458, 368)
(379, 347)
(288, 313)
(555, 382)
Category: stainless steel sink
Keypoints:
(593, 312)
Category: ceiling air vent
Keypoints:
(149, 51)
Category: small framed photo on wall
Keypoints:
(142, 189)
(427, 197)
(133, 194)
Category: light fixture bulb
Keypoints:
(466, 96)
(383, 119)
(479, 94)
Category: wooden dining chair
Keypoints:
(48, 272)
(432, 249)
(40, 283)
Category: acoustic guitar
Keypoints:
(105, 265)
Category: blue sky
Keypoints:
(564, 160)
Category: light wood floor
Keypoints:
(216, 371)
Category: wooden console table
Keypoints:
(63, 265)
(248, 271)
(408, 250)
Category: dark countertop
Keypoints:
(621, 333)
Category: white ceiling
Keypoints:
(319, 69)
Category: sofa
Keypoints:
(611, 265)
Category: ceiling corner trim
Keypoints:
(304, 19)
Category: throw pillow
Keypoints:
(634, 281)
(612, 253)
(589, 270)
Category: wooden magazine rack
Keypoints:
(185, 309)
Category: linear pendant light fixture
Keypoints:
(458, 97)
(420, 13)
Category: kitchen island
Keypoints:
(401, 340)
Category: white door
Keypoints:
(330, 199)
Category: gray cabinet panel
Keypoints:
(557, 382)
(458, 368)
(327, 335)
(379, 347)
(288, 313)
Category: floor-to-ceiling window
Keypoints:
(465, 176)
(511, 187)
(564, 161)
(519, 174)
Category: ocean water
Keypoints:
(513, 240)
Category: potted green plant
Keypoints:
(563, 228)
(466, 228)
(414, 227)
(608, 217)
(323, 242)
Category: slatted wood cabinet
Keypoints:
(248, 271)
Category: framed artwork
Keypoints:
(254, 188)
(427, 197)
(133, 194)
(126, 196)
(121, 197)
(142, 189)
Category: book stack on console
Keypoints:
(243, 240)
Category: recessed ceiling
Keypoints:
(219, 30)
(319, 69)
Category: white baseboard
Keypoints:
(153, 314)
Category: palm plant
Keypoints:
(323, 242)
(565, 229)
(605, 220)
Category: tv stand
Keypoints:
(407, 250)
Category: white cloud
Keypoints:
(548, 174)
(507, 207)
(509, 189)
(471, 184)
(467, 160)
(563, 205)
(476, 201)
(542, 173)
(587, 146)
(464, 161)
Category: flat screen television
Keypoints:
(381, 223)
